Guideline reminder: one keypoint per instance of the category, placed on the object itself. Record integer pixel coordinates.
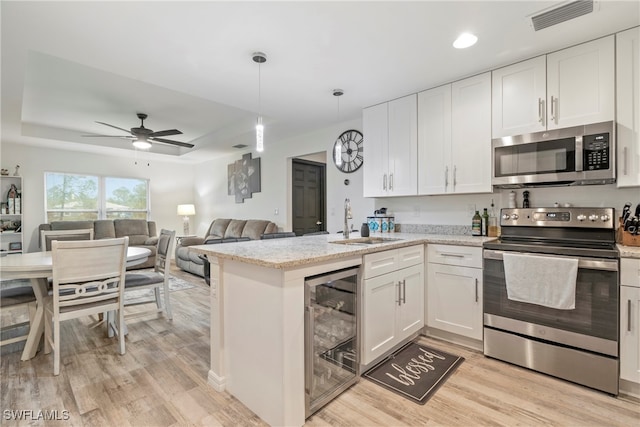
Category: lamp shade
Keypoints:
(186, 210)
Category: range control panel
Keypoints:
(558, 217)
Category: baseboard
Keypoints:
(629, 388)
(218, 383)
(453, 338)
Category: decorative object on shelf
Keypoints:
(244, 178)
(17, 172)
(15, 246)
(4, 172)
(186, 211)
(348, 151)
(13, 201)
(259, 58)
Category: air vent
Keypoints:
(561, 14)
(239, 146)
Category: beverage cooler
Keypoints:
(331, 336)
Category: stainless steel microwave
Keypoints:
(578, 155)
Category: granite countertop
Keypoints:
(629, 251)
(297, 251)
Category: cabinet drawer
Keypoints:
(380, 263)
(411, 255)
(466, 256)
(630, 272)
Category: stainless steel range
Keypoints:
(550, 287)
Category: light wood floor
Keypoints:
(162, 381)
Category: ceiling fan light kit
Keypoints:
(259, 58)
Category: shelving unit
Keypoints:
(11, 241)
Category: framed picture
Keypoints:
(15, 246)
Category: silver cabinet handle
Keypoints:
(624, 161)
(451, 254)
(455, 177)
(384, 182)
(399, 300)
(390, 182)
(554, 109)
(404, 291)
(309, 344)
(446, 177)
(628, 315)
(541, 111)
(476, 290)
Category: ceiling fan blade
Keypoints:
(169, 141)
(115, 127)
(166, 132)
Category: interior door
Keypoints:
(308, 196)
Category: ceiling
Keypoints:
(66, 65)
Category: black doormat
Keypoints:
(414, 371)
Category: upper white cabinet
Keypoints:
(454, 137)
(391, 134)
(571, 87)
(628, 106)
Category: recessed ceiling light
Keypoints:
(465, 40)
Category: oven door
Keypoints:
(592, 325)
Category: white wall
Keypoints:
(213, 202)
(171, 183)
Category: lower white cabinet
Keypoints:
(630, 320)
(454, 290)
(392, 299)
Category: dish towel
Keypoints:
(542, 280)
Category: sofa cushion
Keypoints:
(219, 227)
(254, 228)
(72, 225)
(235, 228)
(104, 229)
(136, 229)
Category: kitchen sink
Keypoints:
(365, 241)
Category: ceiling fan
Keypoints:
(143, 137)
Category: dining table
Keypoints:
(38, 267)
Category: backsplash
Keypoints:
(434, 229)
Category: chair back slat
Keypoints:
(166, 241)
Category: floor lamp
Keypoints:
(186, 211)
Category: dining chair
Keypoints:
(13, 294)
(88, 278)
(156, 279)
(47, 236)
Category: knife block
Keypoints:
(626, 238)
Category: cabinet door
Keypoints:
(471, 134)
(379, 301)
(454, 299)
(434, 140)
(628, 106)
(376, 163)
(403, 146)
(629, 333)
(518, 97)
(580, 84)
(411, 311)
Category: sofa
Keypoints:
(221, 230)
(142, 233)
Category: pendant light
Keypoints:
(260, 58)
(337, 153)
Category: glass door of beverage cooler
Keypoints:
(331, 336)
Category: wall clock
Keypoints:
(348, 150)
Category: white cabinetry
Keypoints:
(570, 87)
(630, 320)
(628, 106)
(454, 290)
(11, 217)
(392, 300)
(391, 133)
(454, 137)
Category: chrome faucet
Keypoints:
(347, 216)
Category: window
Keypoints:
(72, 197)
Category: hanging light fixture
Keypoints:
(260, 58)
(141, 143)
(337, 151)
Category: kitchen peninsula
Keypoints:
(257, 313)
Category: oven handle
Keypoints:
(589, 263)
